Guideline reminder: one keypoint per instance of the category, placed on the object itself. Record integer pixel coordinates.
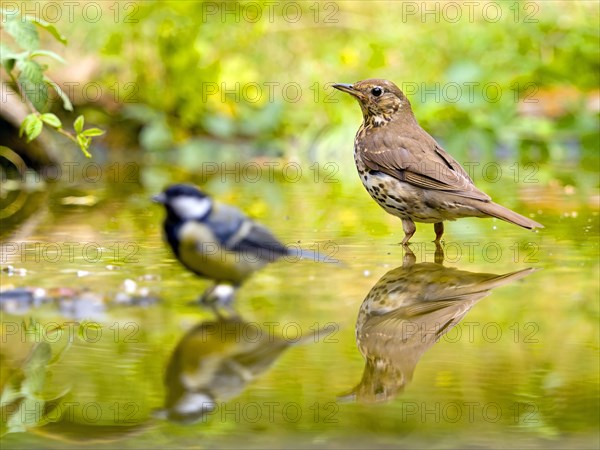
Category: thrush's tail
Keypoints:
(500, 212)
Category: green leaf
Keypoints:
(33, 129)
(7, 57)
(50, 29)
(51, 120)
(84, 143)
(90, 132)
(27, 123)
(32, 126)
(32, 71)
(8, 64)
(49, 54)
(31, 79)
(23, 32)
(63, 96)
(78, 124)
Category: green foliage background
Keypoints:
(175, 52)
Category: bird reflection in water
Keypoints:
(406, 312)
(215, 361)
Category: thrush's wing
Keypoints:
(416, 158)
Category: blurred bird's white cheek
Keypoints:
(191, 207)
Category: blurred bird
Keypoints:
(218, 241)
(407, 311)
(214, 362)
(407, 172)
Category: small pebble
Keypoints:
(129, 286)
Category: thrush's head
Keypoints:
(185, 202)
(380, 100)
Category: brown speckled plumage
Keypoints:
(407, 172)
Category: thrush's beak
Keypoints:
(159, 198)
(349, 89)
(345, 88)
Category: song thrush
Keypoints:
(407, 172)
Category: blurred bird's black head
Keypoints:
(378, 99)
(185, 202)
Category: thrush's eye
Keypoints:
(377, 91)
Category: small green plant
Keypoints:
(28, 79)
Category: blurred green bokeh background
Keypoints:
(490, 79)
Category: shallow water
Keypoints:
(439, 355)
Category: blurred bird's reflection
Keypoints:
(214, 362)
(405, 313)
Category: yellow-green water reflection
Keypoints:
(521, 365)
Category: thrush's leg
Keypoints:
(409, 229)
(439, 253)
(439, 230)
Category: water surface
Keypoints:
(384, 348)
